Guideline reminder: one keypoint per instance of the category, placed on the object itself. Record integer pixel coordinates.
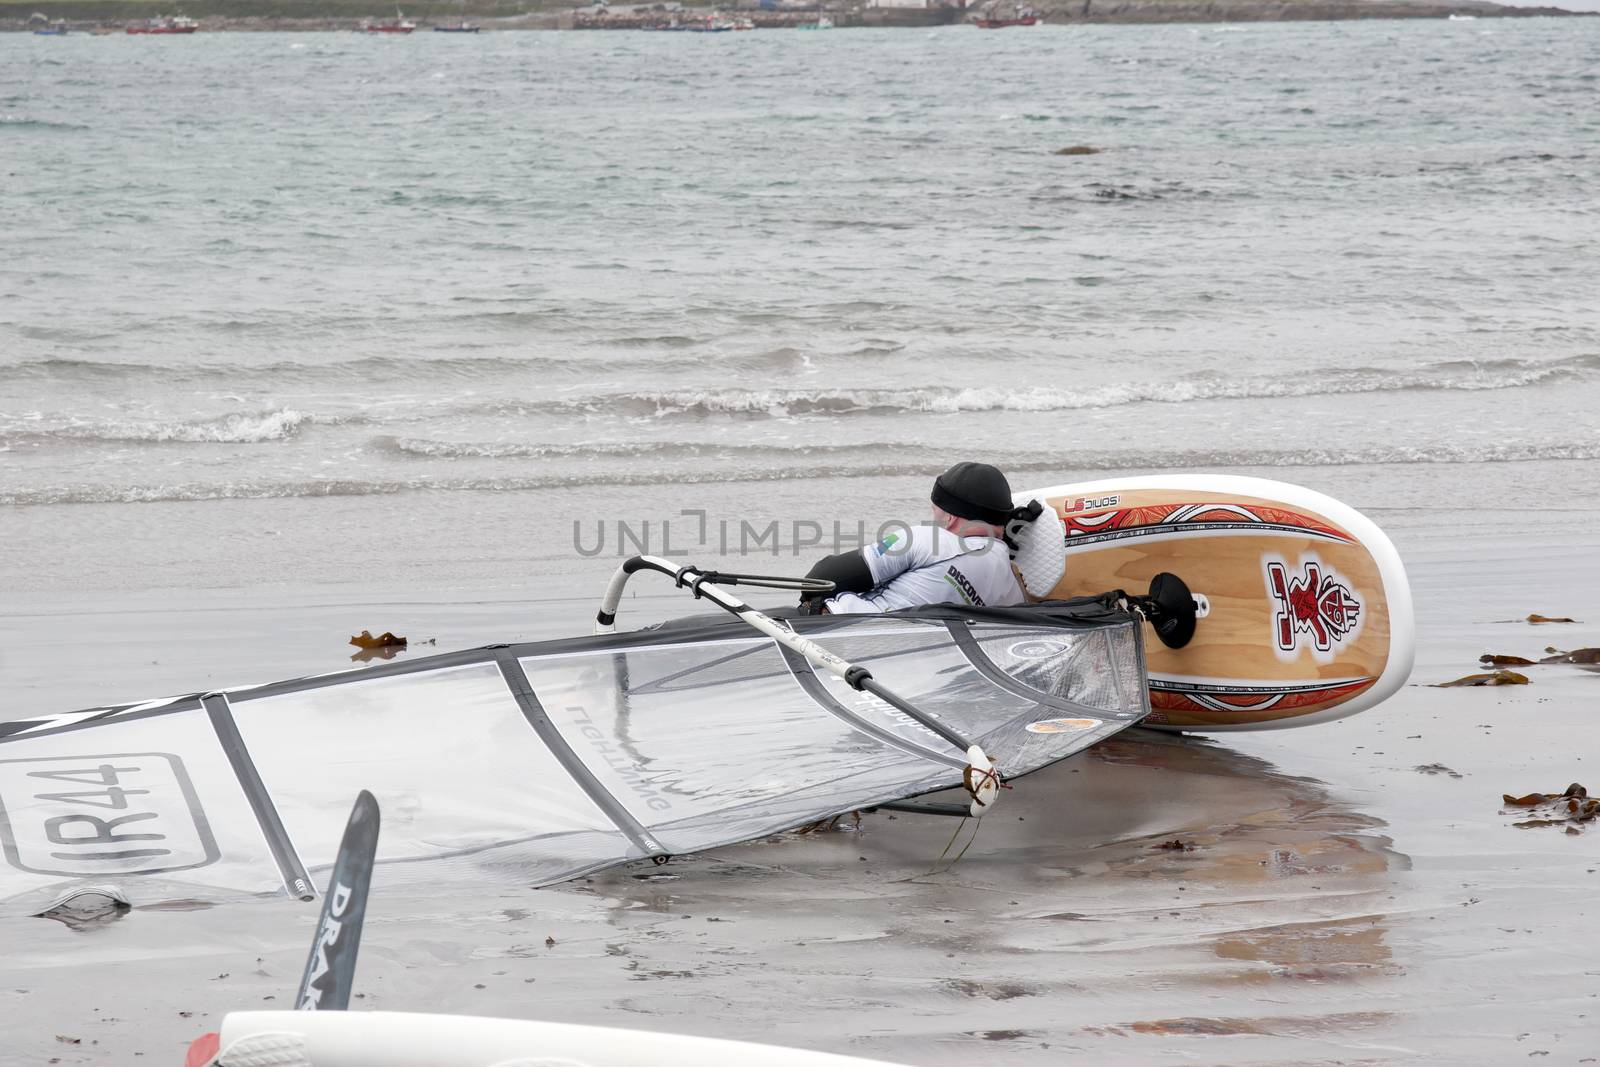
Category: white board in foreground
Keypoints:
(410, 1039)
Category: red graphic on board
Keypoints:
(1313, 603)
(1156, 516)
(1299, 701)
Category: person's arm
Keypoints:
(862, 571)
(888, 560)
(848, 571)
(898, 553)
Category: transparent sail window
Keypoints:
(454, 764)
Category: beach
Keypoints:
(326, 336)
(1350, 893)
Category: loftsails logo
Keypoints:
(327, 943)
(1315, 602)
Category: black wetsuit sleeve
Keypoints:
(848, 571)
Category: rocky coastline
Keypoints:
(113, 16)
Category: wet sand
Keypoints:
(1352, 893)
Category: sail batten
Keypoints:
(296, 880)
(534, 712)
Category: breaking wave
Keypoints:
(12, 122)
(1051, 464)
(277, 425)
(407, 375)
(790, 403)
(431, 449)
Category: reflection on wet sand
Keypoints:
(1263, 850)
(1338, 948)
(1286, 1026)
(1106, 900)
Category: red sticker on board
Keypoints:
(1312, 602)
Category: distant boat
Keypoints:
(823, 23)
(58, 28)
(399, 25)
(1462, 18)
(1000, 24)
(167, 24)
(460, 27)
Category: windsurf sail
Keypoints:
(981, 777)
(528, 764)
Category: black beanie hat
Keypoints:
(975, 491)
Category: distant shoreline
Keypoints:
(114, 16)
(90, 17)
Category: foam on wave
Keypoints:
(429, 448)
(790, 403)
(13, 122)
(1465, 375)
(238, 428)
(1132, 461)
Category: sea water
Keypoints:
(274, 304)
(301, 334)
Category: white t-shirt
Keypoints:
(933, 566)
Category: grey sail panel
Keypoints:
(452, 761)
(701, 769)
(539, 719)
(1001, 685)
(1094, 683)
(604, 750)
(1103, 671)
(1043, 694)
(923, 743)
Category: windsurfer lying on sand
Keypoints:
(962, 558)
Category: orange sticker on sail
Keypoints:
(1062, 726)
